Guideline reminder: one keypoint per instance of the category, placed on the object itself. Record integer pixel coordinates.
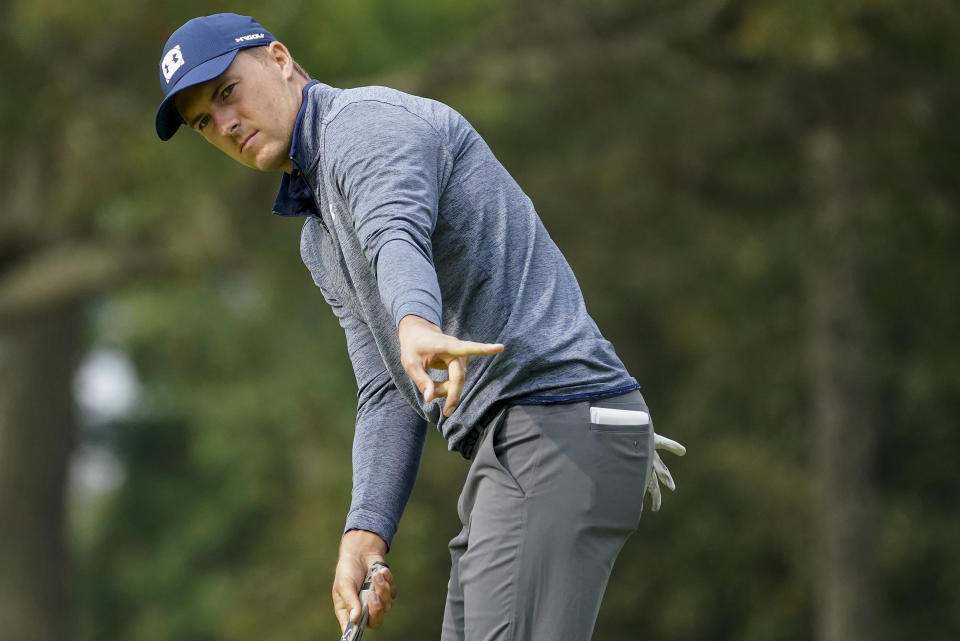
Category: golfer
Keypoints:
(460, 311)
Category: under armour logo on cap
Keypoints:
(172, 61)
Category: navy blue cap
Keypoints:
(199, 51)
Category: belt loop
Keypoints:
(480, 431)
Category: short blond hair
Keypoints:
(260, 53)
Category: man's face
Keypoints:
(248, 112)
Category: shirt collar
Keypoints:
(295, 142)
(295, 198)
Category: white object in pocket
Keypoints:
(610, 416)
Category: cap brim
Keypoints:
(168, 118)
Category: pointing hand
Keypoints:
(423, 345)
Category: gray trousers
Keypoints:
(548, 503)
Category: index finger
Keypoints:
(381, 597)
(469, 348)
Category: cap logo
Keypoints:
(172, 61)
(253, 36)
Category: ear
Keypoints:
(280, 55)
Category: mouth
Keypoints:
(246, 142)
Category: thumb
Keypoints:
(664, 443)
(418, 374)
(346, 605)
(423, 381)
(429, 388)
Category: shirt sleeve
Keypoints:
(388, 439)
(389, 165)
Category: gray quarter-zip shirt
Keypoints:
(409, 212)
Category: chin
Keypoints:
(267, 161)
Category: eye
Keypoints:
(227, 91)
(203, 122)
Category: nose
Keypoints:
(226, 121)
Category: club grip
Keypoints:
(354, 631)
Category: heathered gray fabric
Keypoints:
(405, 189)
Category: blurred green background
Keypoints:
(760, 200)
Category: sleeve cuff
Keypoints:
(379, 524)
(416, 308)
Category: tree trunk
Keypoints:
(843, 404)
(38, 356)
